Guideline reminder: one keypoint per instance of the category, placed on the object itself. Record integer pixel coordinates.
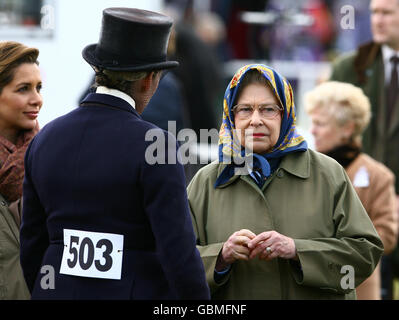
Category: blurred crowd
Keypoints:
(304, 30)
(208, 34)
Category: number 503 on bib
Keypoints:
(92, 254)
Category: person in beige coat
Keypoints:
(274, 219)
(340, 112)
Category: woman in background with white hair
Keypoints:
(340, 112)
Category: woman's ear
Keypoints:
(348, 129)
(146, 83)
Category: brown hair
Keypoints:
(13, 54)
(120, 80)
(250, 77)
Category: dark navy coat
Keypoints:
(87, 171)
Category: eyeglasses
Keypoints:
(267, 111)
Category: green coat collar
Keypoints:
(297, 164)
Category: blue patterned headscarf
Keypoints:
(289, 140)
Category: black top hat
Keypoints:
(131, 40)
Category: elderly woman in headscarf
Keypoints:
(340, 112)
(274, 219)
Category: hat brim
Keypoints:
(88, 54)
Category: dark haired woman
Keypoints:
(20, 103)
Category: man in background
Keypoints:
(374, 68)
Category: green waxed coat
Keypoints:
(12, 282)
(310, 199)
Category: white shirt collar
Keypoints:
(116, 93)
(387, 53)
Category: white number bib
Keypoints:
(92, 254)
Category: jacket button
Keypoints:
(3, 203)
(280, 173)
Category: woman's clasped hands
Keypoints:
(246, 245)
